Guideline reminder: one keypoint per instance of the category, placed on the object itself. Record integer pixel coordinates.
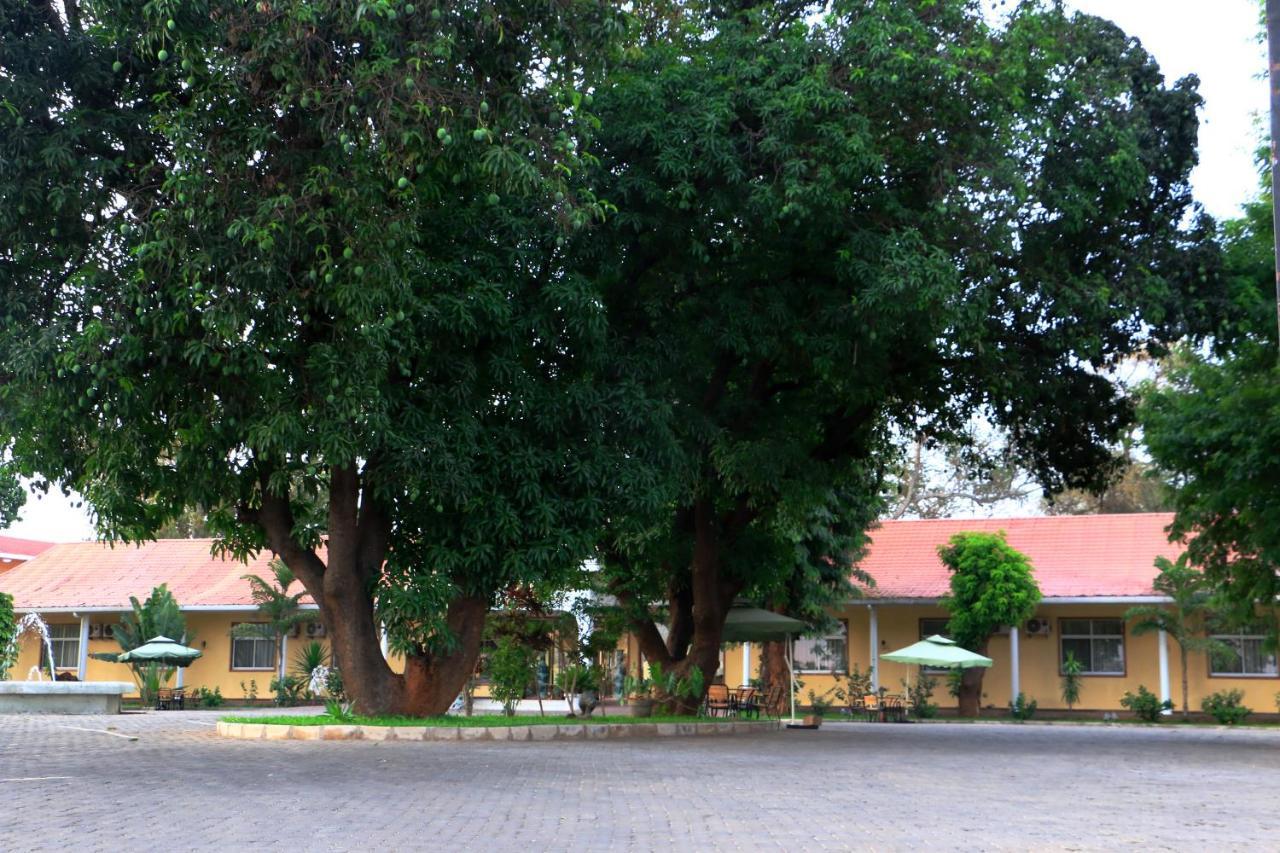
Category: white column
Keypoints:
(1163, 644)
(1014, 682)
(82, 666)
(746, 664)
(382, 641)
(284, 652)
(875, 648)
(181, 669)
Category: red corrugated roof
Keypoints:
(1074, 556)
(94, 574)
(22, 547)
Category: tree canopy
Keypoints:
(296, 263)
(891, 217)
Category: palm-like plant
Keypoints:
(158, 616)
(280, 610)
(1187, 620)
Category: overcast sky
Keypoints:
(1215, 40)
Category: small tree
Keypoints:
(511, 669)
(281, 610)
(1186, 620)
(991, 586)
(1071, 669)
(158, 616)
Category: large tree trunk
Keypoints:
(774, 673)
(1186, 711)
(342, 585)
(971, 687)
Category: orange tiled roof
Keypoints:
(12, 545)
(1074, 556)
(97, 575)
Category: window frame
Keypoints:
(272, 644)
(844, 623)
(59, 643)
(1238, 635)
(1123, 637)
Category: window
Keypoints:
(65, 640)
(1249, 657)
(929, 627)
(253, 652)
(1097, 643)
(829, 653)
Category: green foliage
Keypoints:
(918, 693)
(289, 300)
(310, 656)
(8, 625)
(12, 497)
(250, 692)
(577, 678)
(158, 616)
(1145, 705)
(1226, 706)
(954, 677)
(1022, 708)
(511, 671)
(333, 685)
(992, 585)
(666, 685)
(289, 691)
(203, 697)
(337, 710)
(1187, 621)
(1071, 680)
(796, 270)
(280, 609)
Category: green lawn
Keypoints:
(477, 720)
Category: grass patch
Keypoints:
(479, 720)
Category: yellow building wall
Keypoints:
(211, 634)
(899, 625)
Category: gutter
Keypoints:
(1066, 599)
(125, 608)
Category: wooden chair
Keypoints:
(718, 701)
(871, 707)
(179, 699)
(775, 701)
(164, 698)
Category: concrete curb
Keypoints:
(566, 731)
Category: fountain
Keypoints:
(37, 696)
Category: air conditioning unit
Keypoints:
(1038, 627)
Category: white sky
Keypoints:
(1215, 40)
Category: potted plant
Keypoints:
(637, 692)
(580, 682)
(663, 688)
(819, 707)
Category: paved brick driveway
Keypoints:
(848, 786)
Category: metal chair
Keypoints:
(719, 702)
(748, 702)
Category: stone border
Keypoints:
(562, 731)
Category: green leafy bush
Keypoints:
(577, 678)
(1225, 706)
(1071, 678)
(289, 690)
(203, 697)
(1145, 705)
(1022, 708)
(8, 649)
(918, 694)
(511, 671)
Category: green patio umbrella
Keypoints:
(937, 651)
(745, 624)
(161, 650)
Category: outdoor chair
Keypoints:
(179, 699)
(871, 707)
(718, 702)
(164, 698)
(775, 701)
(895, 709)
(749, 703)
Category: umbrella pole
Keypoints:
(791, 679)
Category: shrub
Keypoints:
(289, 690)
(8, 648)
(1145, 705)
(1022, 708)
(511, 666)
(1225, 706)
(1071, 669)
(333, 684)
(206, 698)
(918, 697)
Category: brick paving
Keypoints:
(849, 786)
